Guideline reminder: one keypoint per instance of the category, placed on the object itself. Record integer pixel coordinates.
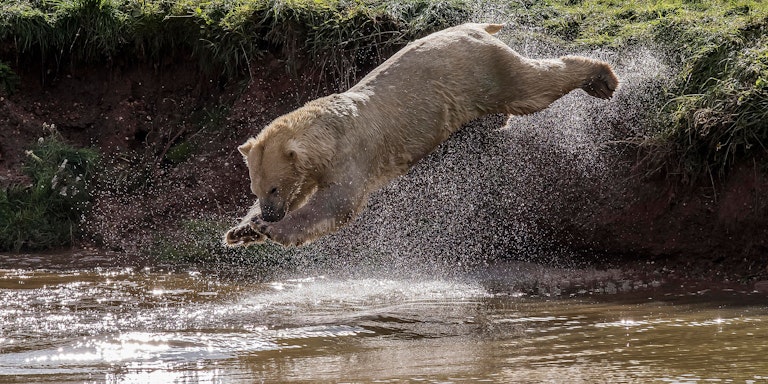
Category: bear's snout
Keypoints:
(272, 211)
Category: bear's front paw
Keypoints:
(243, 235)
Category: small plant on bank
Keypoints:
(721, 114)
(45, 213)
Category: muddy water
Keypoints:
(146, 324)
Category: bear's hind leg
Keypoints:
(532, 85)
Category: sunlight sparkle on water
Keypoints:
(128, 346)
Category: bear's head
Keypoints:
(286, 162)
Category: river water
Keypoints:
(84, 321)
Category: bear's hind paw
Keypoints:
(603, 84)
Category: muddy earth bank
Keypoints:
(171, 125)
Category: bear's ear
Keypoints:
(311, 152)
(296, 152)
(246, 147)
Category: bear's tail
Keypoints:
(493, 28)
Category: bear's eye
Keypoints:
(273, 191)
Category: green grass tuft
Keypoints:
(721, 115)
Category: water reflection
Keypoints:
(145, 325)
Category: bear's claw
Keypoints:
(598, 87)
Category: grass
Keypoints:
(718, 114)
(46, 212)
(224, 36)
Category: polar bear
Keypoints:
(313, 169)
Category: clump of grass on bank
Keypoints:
(714, 114)
(719, 113)
(223, 35)
(46, 212)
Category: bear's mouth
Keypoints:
(273, 216)
(271, 212)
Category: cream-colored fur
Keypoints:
(313, 169)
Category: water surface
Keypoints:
(147, 324)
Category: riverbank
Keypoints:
(677, 181)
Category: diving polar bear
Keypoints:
(313, 169)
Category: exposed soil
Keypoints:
(709, 231)
(134, 115)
